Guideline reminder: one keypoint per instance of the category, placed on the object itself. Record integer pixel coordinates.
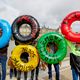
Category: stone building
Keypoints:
(44, 30)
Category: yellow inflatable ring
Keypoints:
(19, 64)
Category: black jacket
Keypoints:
(4, 50)
(75, 62)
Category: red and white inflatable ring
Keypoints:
(66, 26)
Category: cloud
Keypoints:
(8, 13)
(47, 12)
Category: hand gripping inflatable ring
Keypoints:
(19, 64)
(5, 34)
(25, 19)
(57, 39)
(66, 27)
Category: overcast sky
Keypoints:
(48, 12)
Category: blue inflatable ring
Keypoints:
(6, 33)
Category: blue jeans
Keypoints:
(3, 60)
(56, 66)
(74, 74)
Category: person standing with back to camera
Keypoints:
(3, 58)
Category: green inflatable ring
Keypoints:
(73, 48)
(47, 56)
